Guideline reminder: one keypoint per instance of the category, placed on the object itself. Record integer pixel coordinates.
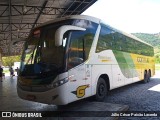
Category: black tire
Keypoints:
(101, 90)
(149, 75)
(146, 77)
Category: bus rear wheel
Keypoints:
(146, 77)
(101, 90)
(149, 75)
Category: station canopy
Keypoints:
(18, 17)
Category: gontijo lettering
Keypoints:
(142, 60)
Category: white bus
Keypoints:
(75, 57)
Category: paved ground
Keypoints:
(138, 96)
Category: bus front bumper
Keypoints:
(56, 96)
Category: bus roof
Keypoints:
(93, 19)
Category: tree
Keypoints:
(9, 61)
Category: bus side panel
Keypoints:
(117, 76)
(153, 66)
(122, 68)
(77, 85)
(143, 63)
(105, 63)
(126, 66)
(97, 71)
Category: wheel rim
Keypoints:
(101, 90)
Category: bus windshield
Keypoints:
(42, 58)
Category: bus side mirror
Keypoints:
(61, 30)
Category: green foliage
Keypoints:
(153, 39)
(9, 61)
(157, 58)
(157, 66)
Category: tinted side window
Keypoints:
(130, 45)
(80, 45)
(105, 40)
(119, 41)
(79, 48)
(112, 39)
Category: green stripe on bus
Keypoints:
(126, 64)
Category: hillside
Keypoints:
(153, 39)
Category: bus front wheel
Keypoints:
(101, 90)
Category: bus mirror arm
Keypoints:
(15, 41)
(60, 32)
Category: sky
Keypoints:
(130, 16)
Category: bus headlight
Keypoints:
(57, 83)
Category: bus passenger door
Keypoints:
(78, 52)
(76, 68)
